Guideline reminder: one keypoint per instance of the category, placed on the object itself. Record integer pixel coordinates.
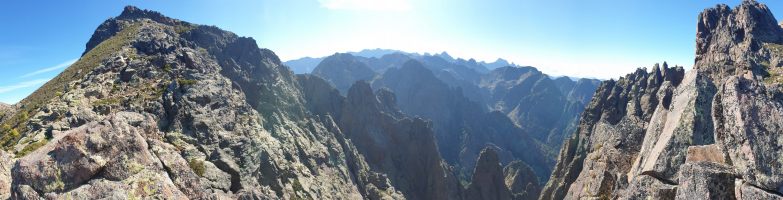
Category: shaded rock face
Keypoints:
(546, 108)
(488, 181)
(343, 70)
(462, 127)
(405, 149)
(692, 135)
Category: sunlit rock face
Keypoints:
(710, 133)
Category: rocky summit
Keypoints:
(710, 133)
(158, 108)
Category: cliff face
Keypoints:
(710, 133)
(402, 148)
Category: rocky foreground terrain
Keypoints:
(713, 132)
(158, 108)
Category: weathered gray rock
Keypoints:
(748, 119)
(92, 160)
(745, 191)
(681, 119)
(705, 180)
(694, 133)
(596, 161)
(6, 162)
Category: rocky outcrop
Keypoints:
(6, 111)
(611, 129)
(733, 41)
(747, 118)
(160, 108)
(705, 180)
(107, 159)
(686, 136)
(403, 148)
(488, 181)
(521, 181)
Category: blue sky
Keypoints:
(599, 38)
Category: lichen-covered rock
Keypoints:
(99, 160)
(595, 162)
(162, 108)
(693, 133)
(705, 180)
(679, 121)
(745, 191)
(521, 181)
(748, 119)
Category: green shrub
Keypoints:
(107, 101)
(197, 166)
(10, 137)
(167, 68)
(186, 82)
(184, 28)
(31, 147)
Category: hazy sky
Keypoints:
(597, 38)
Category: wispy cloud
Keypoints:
(367, 5)
(49, 69)
(20, 85)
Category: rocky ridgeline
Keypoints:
(710, 133)
(159, 108)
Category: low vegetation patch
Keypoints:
(775, 74)
(197, 166)
(186, 82)
(107, 101)
(56, 86)
(31, 147)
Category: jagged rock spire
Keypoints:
(728, 41)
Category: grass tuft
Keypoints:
(197, 166)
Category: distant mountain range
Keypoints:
(307, 64)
